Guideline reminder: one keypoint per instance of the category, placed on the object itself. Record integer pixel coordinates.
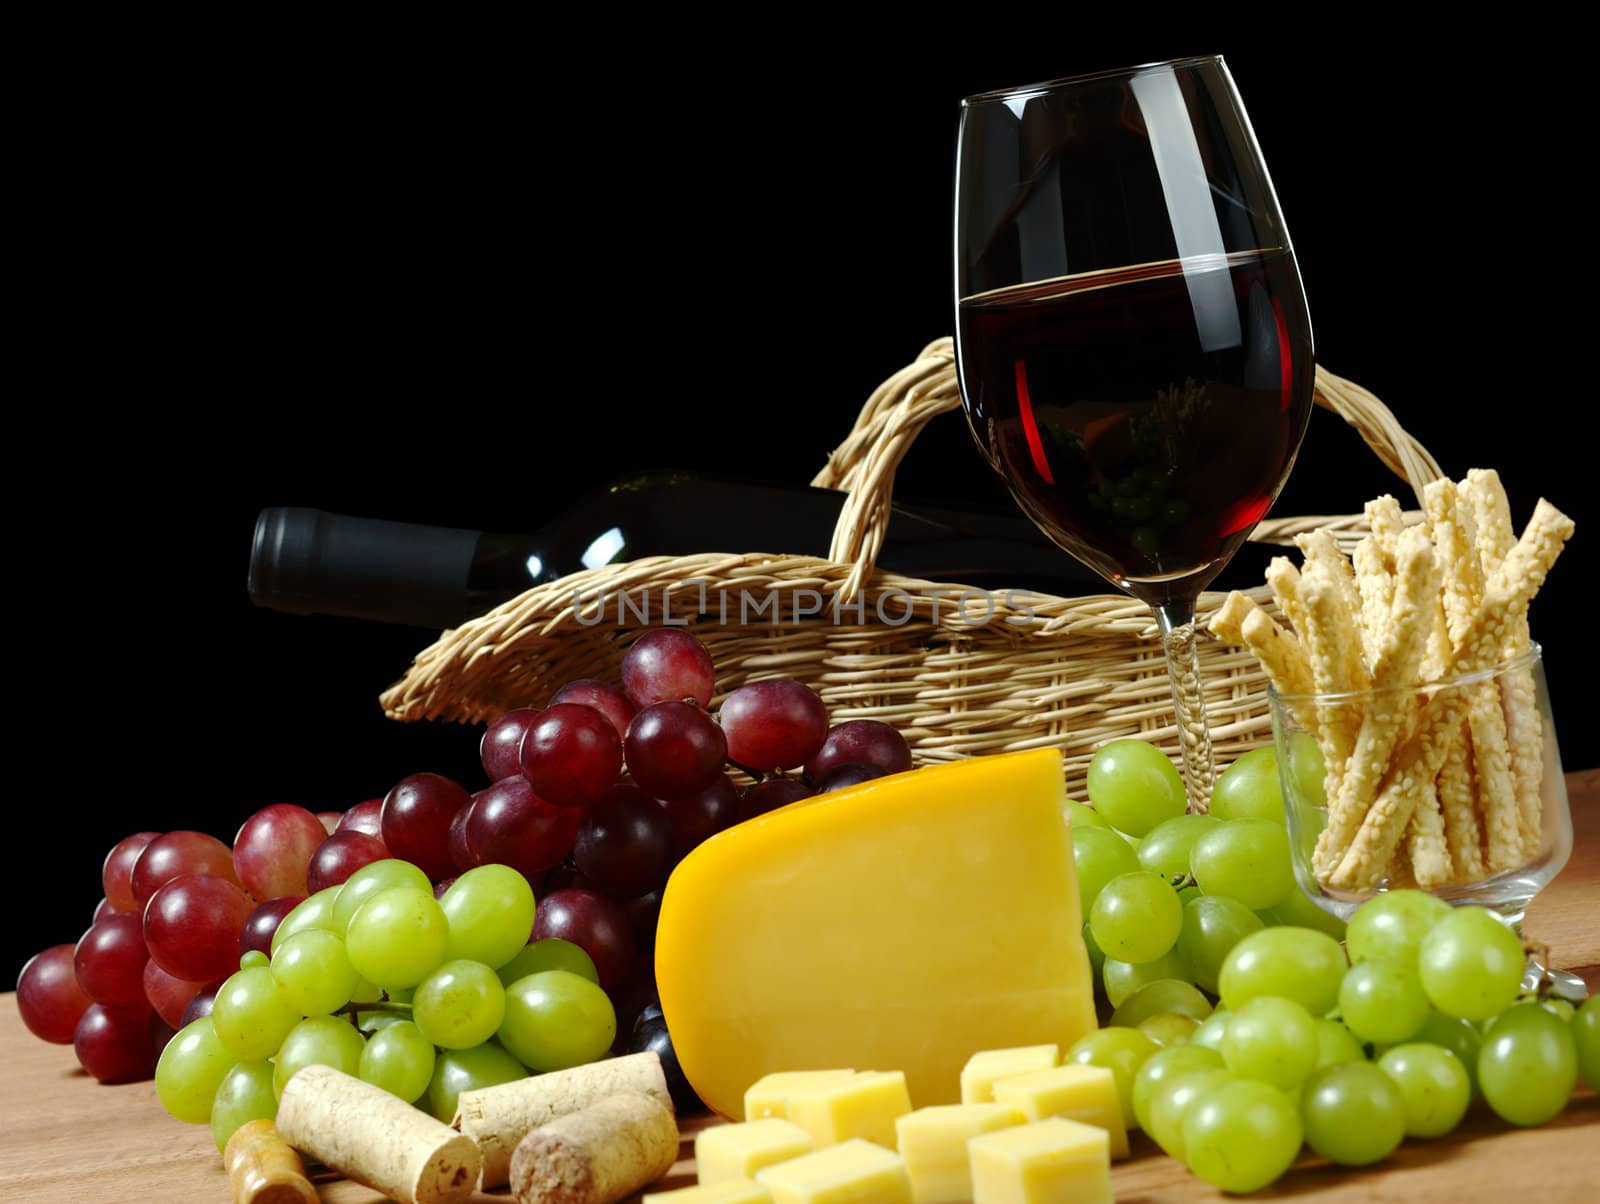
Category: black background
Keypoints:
(460, 278)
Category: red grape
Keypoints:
(273, 849)
(102, 909)
(460, 850)
(116, 876)
(498, 750)
(167, 994)
(844, 775)
(261, 925)
(600, 926)
(511, 825)
(192, 925)
(341, 855)
(109, 961)
(643, 912)
(704, 813)
(608, 700)
(667, 665)
(441, 886)
(861, 742)
(166, 857)
(675, 749)
(115, 1044)
(777, 724)
(364, 817)
(330, 820)
(770, 795)
(571, 754)
(416, 821)
(565, 876)
(624, 843)
(200, 1005)
(49, 997)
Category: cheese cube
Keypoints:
(1045, 1162)
(933, 1141)
(725, 1152)
(985, 1068)
(864, 1105)
(769, 1095)
(854, 1172)
(903, 922)
(732, 1192)
(1087, 1094)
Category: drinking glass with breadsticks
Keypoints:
(1409, 708)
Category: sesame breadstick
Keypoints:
(1226, 624)
(1319, 548)
(1463, 582)
(1284, 580)
(1375, 583)
(1329, 630)
(1458, 802)
(1425, 842)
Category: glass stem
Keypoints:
(1176, 621)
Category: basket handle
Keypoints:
(864, 464)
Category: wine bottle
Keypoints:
(311, 562)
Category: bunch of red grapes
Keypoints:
(593, 799)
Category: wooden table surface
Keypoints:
(65, 1138)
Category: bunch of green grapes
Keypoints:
(423, 997)
(1240, 1028)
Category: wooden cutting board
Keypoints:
(65, 1138)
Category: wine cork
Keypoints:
(376, 1138)
(597, 1155)
(497, 1118)
(264, 1169)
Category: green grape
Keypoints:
(1168, 1028)
(555, 1019)
(245, 1094)
(372, 879)
(553, 953)
(1163, 995)
(1186, 893)
(1212, 926)
(1434, 1085)
(1586, 1038)
(253, 958)
(1471, 964)
(1460, 1037)
(313, 912)
(459, 1005)
(1210, 1033)
(314, 972)
(1528, 1065)
(1241, 1136)
(1335, 1044)
(458, 1070)
(1392, 925)
(1124, 978)
(1559, 1008)
(1247, 860)
(1172, 1098)
(1307, 772)
(1299, 911)
(251, 1015)
(1137, 917)
(1353, 1113)
(1099, 855)
(399, 936)
(1097, 955)
(317, 1041)
(399, 1059)
(1121, 1051)
(1382, 1001)
(1249, 789)
(1166, 849)
(1081, 816)
(490, 910)
(1134, 786)
(1162, 1067)
(1295, 963)
(190, 1070)
(1271, 1039)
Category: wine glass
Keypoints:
(1132, 339)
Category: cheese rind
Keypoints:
(853, 1172)
(864, 1105)
(725, 1153)
(1087, 1094)
(715, 1193)
(988, 1066)
(933, 1142)
(769, 1095)
(1041, 1163)
(904, 922)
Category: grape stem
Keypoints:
(754, 773)
(1181, 881)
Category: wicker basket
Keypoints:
(955, 677)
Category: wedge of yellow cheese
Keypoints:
(1087, 1094)
(1046, 1162)
(904, 922)
(854, 1172)
(933, 1142)
(988, 1066)
(728, 1153)
(715, 1193)
(864, 1105)
(769, 1095)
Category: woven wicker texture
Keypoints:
(958, 673)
